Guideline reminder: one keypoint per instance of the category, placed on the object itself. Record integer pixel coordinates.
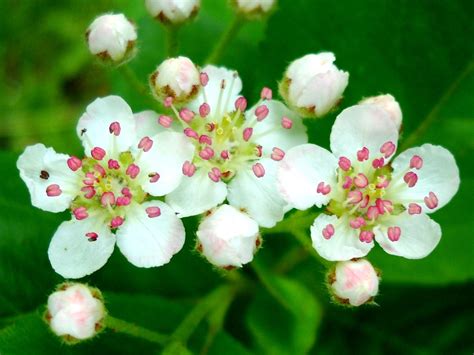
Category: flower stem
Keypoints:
(132, 78)
(122, 326)
(172, 41)
(225, 39)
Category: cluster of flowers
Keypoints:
(240, 168)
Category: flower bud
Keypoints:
(387, 103)
(112, 37)
(313, 85)
(228, 237)
(173, 11)
(177, 78)
(75, 312)
(253, 8)
(354, 282)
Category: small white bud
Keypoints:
(354, 282)
(253, 8)
(173, 11)
(228, 237)
(387, 103)
(112, 37)
(177, 78)
(313, 85)
(75, 312)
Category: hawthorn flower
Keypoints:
(367, 196)
(386, 102)
(228, 237)
(108, 190)
(313, 85)
(236, 150)
(75, 311)
(173, 11)
(112, 37)
(252, 8)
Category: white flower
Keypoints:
(75, 311)
(112, 37)
(313, 85)
(107, 190)
(367, 196)
(355, 282)
(254, 7)
(176, 78)
(236, 150)
(228, 237)
(173, 11)
(386, 102)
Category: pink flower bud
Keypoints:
(388, 104)
(253, 8)
(173, 11)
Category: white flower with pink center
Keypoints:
(236, 150)
(108, 191)
(367, 196)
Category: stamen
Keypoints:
(416, 162)
(188, 168)
(357, 223)
(366, 236)
(258, 170)
(286, 122)
(323, 189)
(219, 99)
(347, 183)
(344, 163)
(153, 212)
(44, 175)
(328, 231)
(204, 110)
(364, 202)
(204, 79)
(241, 104)
(387, 149)
(53, 190)
(363, 154)
(261, 112)
(225, 154)
(266, 94)
(92, 236)
(98, 153)
(115, 128)
(378, 163)
(372, 212)
(383, 182)
(189, 132)
(154, 177)
(247, 133)
(186, 115)
(123, 201)
(80, 213)
(126, 192)
(384, 206)
(89, 191)
(210, 126)
(145, 143)
(113, 164)
(361, 181)
(116, 222)
(168, 102)
(107, 199)
(354, 196)
(410, 178)
(414, 208)
(431, 201)
(100, 170)
(165, 121)
(203, 139)
(74, 163)
(90, 179)
(394, 233)
(259, 151)
(207, 153)
(215, 174)
(133, 170)
(277, 154)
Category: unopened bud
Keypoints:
(176, 78)
(112, 37)
(354, 282)
(173, 11)
(253, 8)
(75, 312)
(313, 85)
(228, 237)
(387, 103)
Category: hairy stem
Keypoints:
(225, 39)
(125, 327)
(172, 43)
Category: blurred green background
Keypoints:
(422, 52)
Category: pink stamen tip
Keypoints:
(98, 153)
(126, 192)
(387, 149)
(357, 223)
(410, 178)
(323, 189)
(204, 110)
(133, 170)
(286, 122)
(347, 183)
(259, 151)
(378, 163)
(153, 212)
(116, 222)
(384, 206)
(154, 177)
(123, 201)
(74, 163)
(186, 115)
(90, 179)
(53, 190)
(277, 154)
(204, 79)
(215, 174)
(261, 112)
(363, 154)
(92, 236)
(225, 154)
(191, 133)
(383, 182)
(188, 168)
(210, 126)
(372, 212)
(89, 191)
(355, 196)
(204, 139)
(366, 236)
(80, 213)
(431, 201)
(207, 153)
(414, 208)
(361, 181)
(100, 169)
(168, 102)
(145, 143)
(165, 121)
(416, 162)
(394, 233)
(107, 199)
(247, 133)
(344, 163)
(241, 104)
(113, 164)
(115, 128)
(328, 231)
(258, 170)
(365, 201)
(266, 94)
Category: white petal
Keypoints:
(439, 175)
(196, 194)
(96, 122)
(233, 86)
(71, 253)
(149, 242)
(259, 197)
(362, 126)
(269, 133)
(37, 159)
(147, 124)
(419, 235)
(166, 157)
(300, 172)
(343, 245)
